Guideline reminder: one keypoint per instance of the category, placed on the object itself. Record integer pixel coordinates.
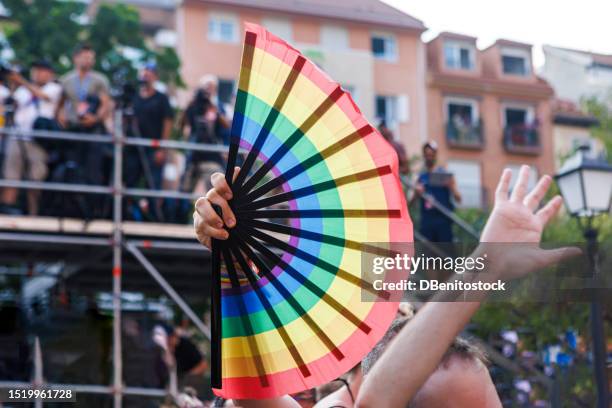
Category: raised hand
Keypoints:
(518, 220)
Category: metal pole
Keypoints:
(38, 370)
(445, 211)
(597, 325)
(117, 249)
(169, 289)
(53, 239)
(52, 186)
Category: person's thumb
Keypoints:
(554, 256)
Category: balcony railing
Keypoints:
(522, 139)
(464, 135)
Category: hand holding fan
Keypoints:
(289, 316)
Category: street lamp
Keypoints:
(586, 187)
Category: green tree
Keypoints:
(600, 108)
(43, 28)
(51, 29)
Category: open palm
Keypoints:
(518, 222)
(514, 218)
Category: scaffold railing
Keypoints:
(116, 241)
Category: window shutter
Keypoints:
(403, 108)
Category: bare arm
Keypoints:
(105, 107)
(455, 190)
(60, 115)
(417, 350)
(34, 89)
(167, 129)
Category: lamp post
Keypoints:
(586, 187)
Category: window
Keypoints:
(518, 115)
(386, 109)
(226, 90)
(461, 109)
(468, 177)
(223, 28)
(458, 55)
(384, 47)
(279, 27)
(334, 37)
(599, 74)
(516, 62)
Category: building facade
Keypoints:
(571, 130)
(487, 110)
(373, 50)
(576, 74)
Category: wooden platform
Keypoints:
(95, 227)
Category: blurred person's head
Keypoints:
(172, 337)
(201, 100)
(84, 57)
(208, 83)
(462, 373)
(430, 154)
(148, 75)
(385, 131)
(41, 72)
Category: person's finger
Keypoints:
(551, 257)
(549, 210)
(220, 185)
(236, 171)
(226, 212)
(207, 213)
(533, 199)
(204, 232)
(501, 193)
(520, 188)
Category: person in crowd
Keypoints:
(404, 165)
(462, 372)
(422, 343)
(26, 157)
(346, 395)
(85, 103)
(84, 107)
(202, 122)
(210, 85)
(191, 366)
(436, 182)
(153, 120)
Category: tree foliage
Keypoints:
(51, 29)
(43, 28)
(601, 109)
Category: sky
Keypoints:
(583, 24)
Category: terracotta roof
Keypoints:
(508, 43)
(449, 34)
(569, 113)
(367, 11)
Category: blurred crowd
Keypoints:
(81, 101)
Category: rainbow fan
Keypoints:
(317, 186)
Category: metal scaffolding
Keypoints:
(117, 242)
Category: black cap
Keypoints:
(44, 64)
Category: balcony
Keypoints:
(522, 139)
(463, 135)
